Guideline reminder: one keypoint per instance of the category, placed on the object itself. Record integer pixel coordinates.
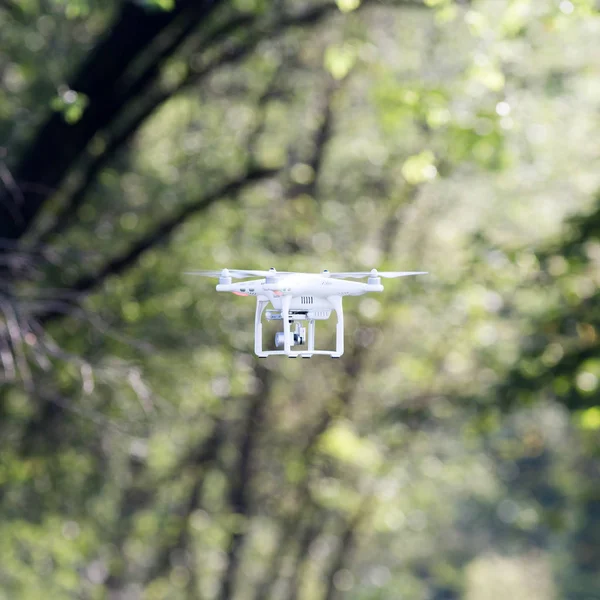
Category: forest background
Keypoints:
(452, 452)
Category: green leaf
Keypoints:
(420, 168)
(341, 442)
(590, 419)
(250, 6)
(347, 5)
(158, 4)
(339, 60)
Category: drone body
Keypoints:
(299, 297)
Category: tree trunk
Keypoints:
(103, 79)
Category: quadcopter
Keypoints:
(297, 298)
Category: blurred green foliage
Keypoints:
(452, 452)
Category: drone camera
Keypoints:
(298, 337)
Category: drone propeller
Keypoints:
(376, 273)
(236, 273)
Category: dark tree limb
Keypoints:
(141, 493)
(292, 526)
(313, 528)
(117, 139)
(102, 80)
(47, 163)
(202, 459)
(345, 549)
(229, 56)
(321, 137)
(239, 495)
(118, 265)
(163, 232)
(99, 80)
(12, 9)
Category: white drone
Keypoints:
(298, 297)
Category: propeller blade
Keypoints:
(236, 273)
(385, 274)
(242, 273)
(392, 274)
(204, 273)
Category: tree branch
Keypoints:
(13, 9)
(98, 81)
(320, 139)
(120, 264)
(312, 530)
(239, 497)
(307, 17)
(292, 526)
(67, 213)
(345, 548)
(203, 457)
(228, 57)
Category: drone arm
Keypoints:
(336, 302)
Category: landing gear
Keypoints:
(294, 334)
